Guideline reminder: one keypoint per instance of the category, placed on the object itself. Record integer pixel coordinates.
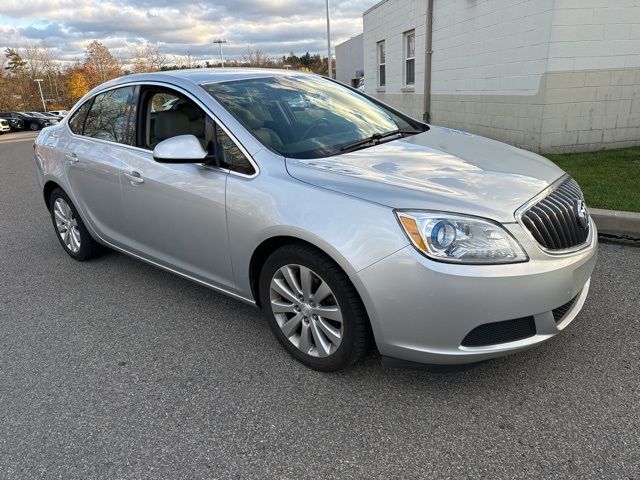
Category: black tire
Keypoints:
(33, 126)
(89, 248)
(355, 339)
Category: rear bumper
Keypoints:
(421, 310)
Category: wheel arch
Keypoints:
(270, 245)
(48, 189)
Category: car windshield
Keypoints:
(307, 116)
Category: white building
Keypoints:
(350, 60)
(546, 75)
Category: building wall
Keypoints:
(489, 61)
(388, 21)
(350, 59)
(546, 75)
(592, 90)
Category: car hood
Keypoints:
(441, 169)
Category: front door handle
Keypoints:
(134, 177)
(71, 157)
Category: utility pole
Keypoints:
(220, 41)
(329, 66)
(39, 81)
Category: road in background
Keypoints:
(115, 369)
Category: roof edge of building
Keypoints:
(370, 9)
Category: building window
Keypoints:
(382, 77)
(410, 58)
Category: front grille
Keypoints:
(555, 222)
(500, 332)
(560, 312)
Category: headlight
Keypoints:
(448, 237)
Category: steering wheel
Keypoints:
(314, 124)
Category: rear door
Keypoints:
(95, 160)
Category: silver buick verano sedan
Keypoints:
(343, 219)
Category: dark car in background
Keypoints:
(29, 121)
(53, 119)
(15, 123)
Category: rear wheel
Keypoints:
(33, 126)
(70, 229)
(312, 308)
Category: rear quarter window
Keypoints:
(109, 116)
(76, 122)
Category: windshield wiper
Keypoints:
(376, 138)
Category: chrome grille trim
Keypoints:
(550, 218)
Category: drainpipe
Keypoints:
(427, 63)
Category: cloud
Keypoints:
(179, 26)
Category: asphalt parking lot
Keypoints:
(115, 369)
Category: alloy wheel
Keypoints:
(306, 310)
(66, 225)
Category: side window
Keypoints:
(169, 114)
(76, 122)
(109, 116)
(231, 156)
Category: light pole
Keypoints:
(220, 41)
(329, 42)
(39, 81)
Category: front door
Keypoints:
(176, 212)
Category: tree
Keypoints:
(16, 64)
(256, 58)
(76, 85)
(147, 58)
(99, 65)
(184, 61)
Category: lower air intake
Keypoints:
(500, 332)
(560, 312)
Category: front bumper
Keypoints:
(422, 310)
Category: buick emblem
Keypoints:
(582, 214)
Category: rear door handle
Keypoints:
(134, 177)
(71, 157)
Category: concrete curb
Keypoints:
(612, 222)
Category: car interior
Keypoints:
(168, 115)
(290, 121)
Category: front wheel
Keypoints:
(70, 229)
(312, 308)
(33, 126)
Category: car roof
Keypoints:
(199, 76)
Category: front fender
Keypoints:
(356, 233)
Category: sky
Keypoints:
(275, 26)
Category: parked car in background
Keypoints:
(30, 121)
(50, 118)
(342, 217)
(4, 126)
(15, 121)
(51, 115)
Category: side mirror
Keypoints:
(180, 149)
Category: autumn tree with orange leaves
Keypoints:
(99, 65)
